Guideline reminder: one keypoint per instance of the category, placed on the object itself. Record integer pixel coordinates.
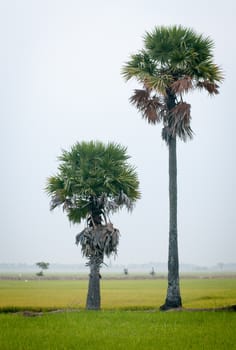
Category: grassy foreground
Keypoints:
(124, 330)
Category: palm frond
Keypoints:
(78, 213)
(123, 200)
(139, 66)
(207, 70)
(56, 200)
(149, 106)
(54, 184)
(182, 85)
(159, 82)
(178, 123)
(95, 242)
(212, 88)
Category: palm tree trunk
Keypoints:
(173, 298)
(93, 297)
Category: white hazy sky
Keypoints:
(60, 82)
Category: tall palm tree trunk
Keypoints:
(93, 297)
(173, 298)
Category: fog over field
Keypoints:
(60, 82)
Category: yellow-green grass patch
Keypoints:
(116, 294)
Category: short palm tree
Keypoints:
(174, 61)
(94, 180)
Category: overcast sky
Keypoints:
(60, 82)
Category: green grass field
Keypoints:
(126, 330)
(129, 319)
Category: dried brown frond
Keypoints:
(99, 240)
(179, 121)
(140, 98)
(212, 88)
(149, 106)
(182, 85)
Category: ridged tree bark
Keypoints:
(173, 298)
(93, 297)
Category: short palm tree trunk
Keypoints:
(93, 297)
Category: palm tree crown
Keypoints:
(174, 61)
(93, 180)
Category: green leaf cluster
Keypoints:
(91, 175)
(171, 53)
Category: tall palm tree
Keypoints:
(174, 61)
(94, 180)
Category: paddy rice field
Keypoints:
(49, 314)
